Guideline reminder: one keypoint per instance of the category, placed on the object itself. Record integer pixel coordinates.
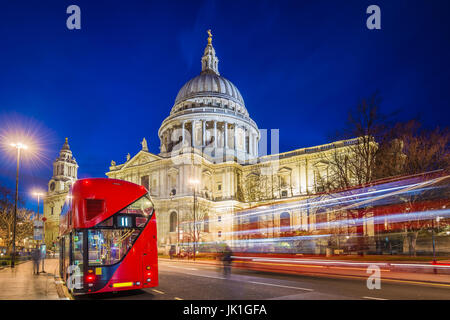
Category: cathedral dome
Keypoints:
(209, 114)
(209, 84)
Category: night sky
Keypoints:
(299, 65)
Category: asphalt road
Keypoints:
(185, 281)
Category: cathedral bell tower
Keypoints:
(64, 170)
(64, 175)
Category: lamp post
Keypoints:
(194, 183)
(38, 194)
(19, 146)
(171, 195)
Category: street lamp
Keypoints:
(38, 194)
(172, 195)
(194, 183)
(19, 146)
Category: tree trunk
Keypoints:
(412, 240)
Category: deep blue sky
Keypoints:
(299, 65)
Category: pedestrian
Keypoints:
(227, 260)
(36, 256)
(171, 252)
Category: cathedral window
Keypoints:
(173, 221)
(285, 222)
(145, 182)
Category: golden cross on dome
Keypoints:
(209, 36)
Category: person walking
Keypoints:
(36, 256)
(227, 260)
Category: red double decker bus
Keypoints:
(108, 237)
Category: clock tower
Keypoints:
(65, 169)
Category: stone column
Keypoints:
(182, 132)
(204, 132)
(235, 137)
(255, 145)
(250, 142)
(225, 134)
(215, 134)
(246, 144)
(194, 122)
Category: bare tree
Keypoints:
(24, 225)
(198, 230)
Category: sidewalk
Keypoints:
(21, 284)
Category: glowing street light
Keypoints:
(19, 146)
(194, 183)
(38, 194)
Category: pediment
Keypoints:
(284, 170)
(142, 157)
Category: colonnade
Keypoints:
(210, 133)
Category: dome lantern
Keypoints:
(210, 62)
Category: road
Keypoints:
(186, 281)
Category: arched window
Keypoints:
(206, 223)
(285, 222)
(173, 221)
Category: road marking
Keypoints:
(279, 285)
(157, 291)
(373, 298)
(201, 275)
(59, 282)
(183, 268)
(176, 298)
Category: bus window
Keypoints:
(143, 206)
(109, 246)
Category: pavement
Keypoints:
(187, 280)
(20, 283)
